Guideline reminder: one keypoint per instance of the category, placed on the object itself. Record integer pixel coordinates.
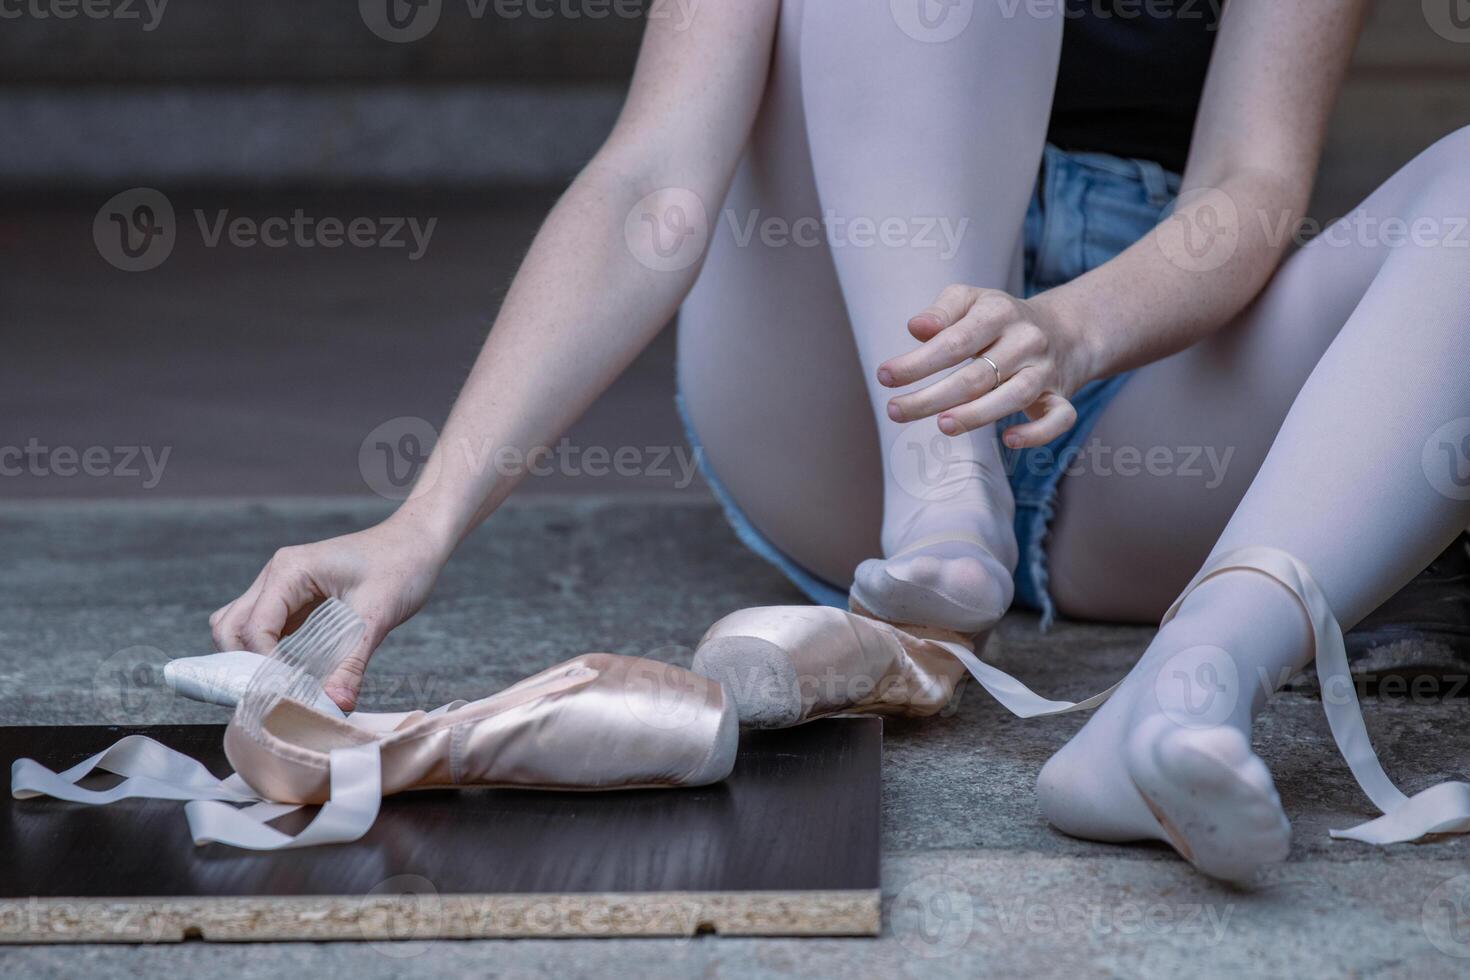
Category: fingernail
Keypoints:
(948, 426)
(885, 376)
(1013, 441)
(894, 412)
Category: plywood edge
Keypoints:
(424, 917)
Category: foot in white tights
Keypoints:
(948, 536)
(1168, 757)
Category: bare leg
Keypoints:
(1362, 484)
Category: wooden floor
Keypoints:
(788, 845)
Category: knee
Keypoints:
(1445, 168)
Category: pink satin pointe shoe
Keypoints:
(596, 722)
(785, 665)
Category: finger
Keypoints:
(1055, 417)
(344, 683)
(955, 345)
(1011, 397)
(228, 630)
(965, 384)
(286, 592)
(951, 306)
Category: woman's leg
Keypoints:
(767, 367)
(771, 376)
(925, 155)
(1226, 398)
(1364, 484)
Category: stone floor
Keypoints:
(94, 592)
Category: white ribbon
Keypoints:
(1444, 808)
(151, 770)
(1014, 696)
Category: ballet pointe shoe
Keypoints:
(596, 722)
(786, 665)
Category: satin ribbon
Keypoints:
(1014, 696)
(151, 770)
(1443, 808)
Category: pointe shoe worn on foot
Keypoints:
(785, 665)
(948, 581)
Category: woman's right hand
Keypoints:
(384, 573)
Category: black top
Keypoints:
(1131, 76)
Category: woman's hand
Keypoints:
(1039, 360)
(384, 573)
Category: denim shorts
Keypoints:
(1085, 209)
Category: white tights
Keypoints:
(919, 158)
(1357, 352)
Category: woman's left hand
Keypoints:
(1039, 360)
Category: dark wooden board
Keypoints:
(797, 820)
